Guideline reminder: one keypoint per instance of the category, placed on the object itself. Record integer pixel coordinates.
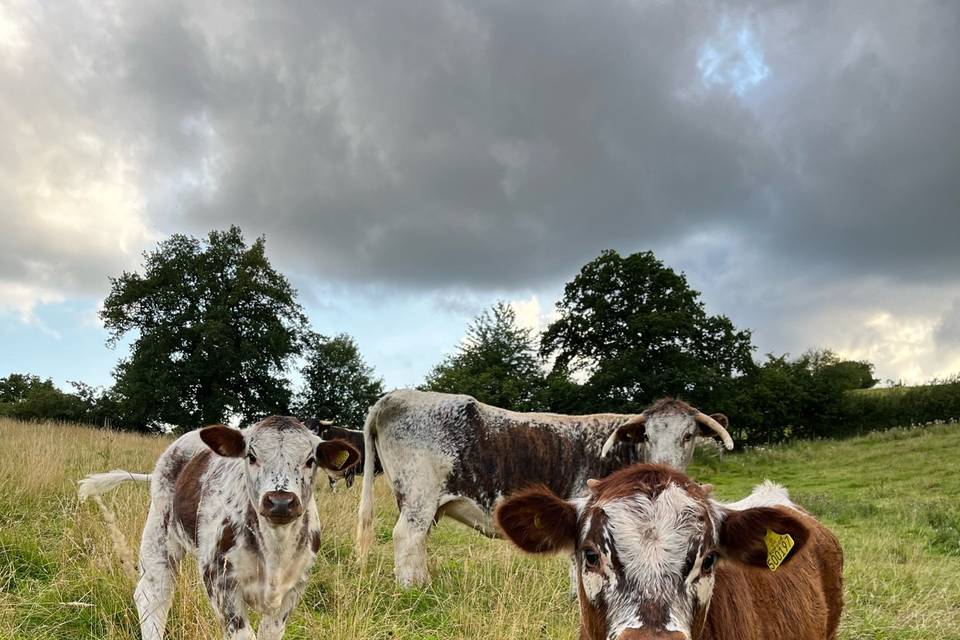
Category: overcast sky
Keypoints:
(412, 162)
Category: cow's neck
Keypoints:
(282, 553)
(620, 456)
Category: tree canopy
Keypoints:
(216, 326)
(337, 384)
(496, 363)
(637, 331)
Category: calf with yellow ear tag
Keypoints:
(658, 559)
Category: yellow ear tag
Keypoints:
(341, 458)
(778, 548)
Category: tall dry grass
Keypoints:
(891, 498)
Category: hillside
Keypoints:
(890, 497)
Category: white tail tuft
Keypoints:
(93, 486)
(365, 514)
(100, 483)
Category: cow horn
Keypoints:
(704, 419)
(612, 440)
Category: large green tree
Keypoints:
(216, 326)
(636, 330)
(496, 363)
(337, 384)
(804, 397)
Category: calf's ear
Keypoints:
(337, 455)
(223, 440)
(633, 430)
(757, 536)
(537, 521)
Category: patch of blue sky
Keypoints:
(63, 341)
(732, 58)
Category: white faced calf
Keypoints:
(657, 559)
(242, 502)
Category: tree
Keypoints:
(216, 327)
(637, 331)
(338, 385)
(28, 397)
(496, 363)
(783, 399)
(17, 386)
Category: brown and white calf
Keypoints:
(658, 559)
(242, 503)
(329, 431)
(450, 455)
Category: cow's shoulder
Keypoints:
(175, 458)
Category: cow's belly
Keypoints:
(468, 512)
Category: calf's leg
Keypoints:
(225, 598)
(159, 557)
(272, 625)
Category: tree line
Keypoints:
(216, 331)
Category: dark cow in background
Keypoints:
(450, 455)
(329, 431)
(242, 503)
(658, 559)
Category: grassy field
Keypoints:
(891, 497)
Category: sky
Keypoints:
(411, 163)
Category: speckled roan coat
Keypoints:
(450, 455)
(242, 503)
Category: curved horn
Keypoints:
(704, 419)
(612, 440)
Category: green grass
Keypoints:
(891, 498)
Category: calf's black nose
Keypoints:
(280, 505)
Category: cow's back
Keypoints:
(802, 600)
(488, 452)
(176, 482)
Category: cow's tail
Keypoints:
(365, 514)
(94, 486)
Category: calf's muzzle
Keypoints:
(280, 507)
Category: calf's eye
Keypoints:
(310, 463)
(591, 559)
(252, 459)
(708, 561)
(688, 437)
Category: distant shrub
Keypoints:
(783, 399)
(862, 411)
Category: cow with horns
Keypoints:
(658, 559)
(242, 503)
(450, 455)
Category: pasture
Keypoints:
(891, 497)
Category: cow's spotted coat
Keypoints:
(216, 504)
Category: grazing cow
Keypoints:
(328, 431)
(242, 503)
(658, 559)
(450, 455)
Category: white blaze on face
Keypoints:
(671, 438)
(651, 541)
(281, 461)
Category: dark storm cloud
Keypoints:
(450, 144)
(477, 143)
(781, 152)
